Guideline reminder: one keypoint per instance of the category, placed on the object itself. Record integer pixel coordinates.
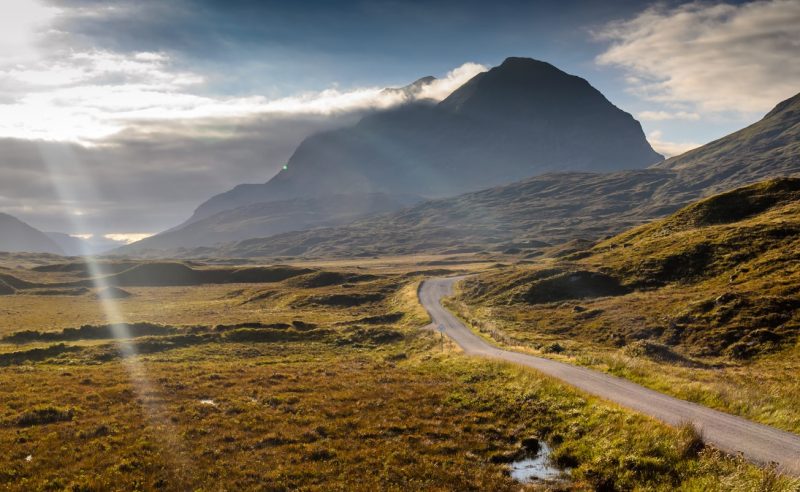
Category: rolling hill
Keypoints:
(720, 277)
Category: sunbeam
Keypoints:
(60, 161)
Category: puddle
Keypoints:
(208, 402)
(536, 469)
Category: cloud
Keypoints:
(19, 22)
(128, 237)
(669, 149)
(441, 88)
(717, 57)
(86, 96)
(667, 115)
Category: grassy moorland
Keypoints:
(703, 304)
(320, 381)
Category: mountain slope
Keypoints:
(519, 119)
(551, 207)
(559, 207)
(719, 277)
(17, 236)
(270, 218)
(769, 147)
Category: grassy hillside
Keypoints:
(714, 287)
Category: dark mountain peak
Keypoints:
(423, 80)
(520, 63)
(411, 90)
(529, 89)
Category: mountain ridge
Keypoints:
(558, 207)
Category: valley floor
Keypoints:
(322, 381)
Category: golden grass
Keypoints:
(351, 405)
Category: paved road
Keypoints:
(759, 443)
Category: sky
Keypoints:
(118, 118)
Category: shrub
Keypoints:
(45, 415)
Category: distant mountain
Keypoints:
(17, 236)
(76, 246)
(270, 218)
(412, 90)
(558, 207)
(519, 119)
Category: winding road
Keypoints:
(759, 443)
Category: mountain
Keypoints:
(76, 246)
(17, 236)
(519, 119)
(411, 91)
(270, 218)
(559, 207)
(769, 147)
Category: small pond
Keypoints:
(536, 469)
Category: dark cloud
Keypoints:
(145, 179)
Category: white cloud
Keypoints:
(667, 115)
(88, 96)
(441, 88)
(669, 149)
(19, 22)
(718, 57)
